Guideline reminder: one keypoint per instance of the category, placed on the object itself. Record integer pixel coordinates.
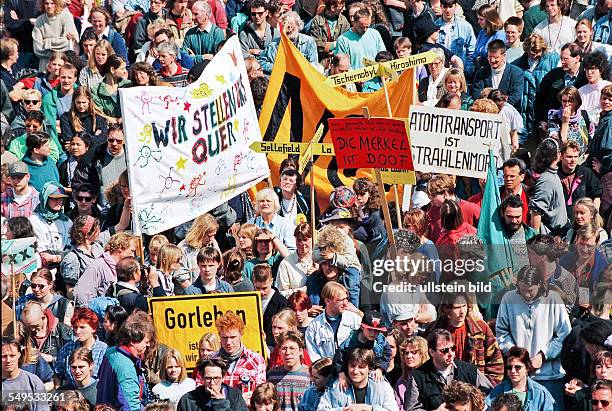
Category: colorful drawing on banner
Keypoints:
(371, 143)
(181, 321)
(146, 153)
(456, 142)
(145, 99)
(202, 91)
(189, 154)
(146, 134)
(168, 181)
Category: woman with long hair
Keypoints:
(114, 317)
(43, 292)
(143, 74)
(85, 249)
(106, 93)
(95, 70)
(586, 213)
(30, 359)
(174, 381)
(208, 347)
(371, 230)
(54, 30)
(169, 271)
(82, 117)
(244, 237)
(492, 28)
(547, 203)
(78, 147)
(201, 234)
(584, 38)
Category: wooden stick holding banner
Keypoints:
(307, 157)
(13, 295)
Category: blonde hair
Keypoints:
(288, 316)
(484, 105)
(455, 74)
(266, 193)
(588, 203)
(332, 289)
(119, 242)
(167, 256)
(59, 5)
(535, 43)
(202, 225)
(173, 354)
(212, 339)
(31, 92)
(417, 343)
(91, 61)
(331, 239)
(156, 243)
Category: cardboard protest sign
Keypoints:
(188, 148)
(456, 142)
(371, 143)
(181, 321)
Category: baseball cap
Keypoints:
(373, 320)
(402, 312)
(18, 168)
(58, 192)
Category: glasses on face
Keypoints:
(257, 13)
(37, 286)
(114, 140)
(31, 101)
(213, 379)
(290, 349)
(448, 349)
(513, 367)
(411, 352)
(84, 198)
(604, 403)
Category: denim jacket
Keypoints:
(379, 395)
(538, 397)
(305, 44)
(462, 43)
(601, 29)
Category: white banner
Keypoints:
(188, 148)
(455, 141)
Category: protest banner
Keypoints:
(298, 101)
(188, 148)
(456, 142)
(371, 142)
(292, 148)
(374, 70)
(181, 321)
(19, 256)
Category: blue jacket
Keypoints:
(349, 277)
(511, 84)
(305, 44)
(379, 395)
(121, 382)
(601, 30)
(482, 41)
(532, 81)
(568, 261)
(462, 44)
(118, 44)
(538, 397)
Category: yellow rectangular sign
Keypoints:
(391, 176)
(181, 321)
(319, 149)
(369, 72)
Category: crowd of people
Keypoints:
(77, 334)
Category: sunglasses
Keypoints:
(255, 13)
(514, 367)
(31, 101)
(604, 403)
(448, 349)
(114, 140)
(83, 198)
(37, 286)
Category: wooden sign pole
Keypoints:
(384, 205)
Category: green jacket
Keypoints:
(49, 107)
(18, 147)
(109, 104)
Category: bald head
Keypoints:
(34, 319)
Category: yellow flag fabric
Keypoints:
(298, 101)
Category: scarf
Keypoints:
(432, 88)
(229, 359)
(45, 212)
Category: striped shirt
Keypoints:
(61, 367)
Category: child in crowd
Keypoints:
(320, 373)
(209, 262)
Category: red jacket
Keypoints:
(452, 237)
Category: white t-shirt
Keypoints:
(173, 391)
(558, 34)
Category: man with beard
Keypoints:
(515, 230)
